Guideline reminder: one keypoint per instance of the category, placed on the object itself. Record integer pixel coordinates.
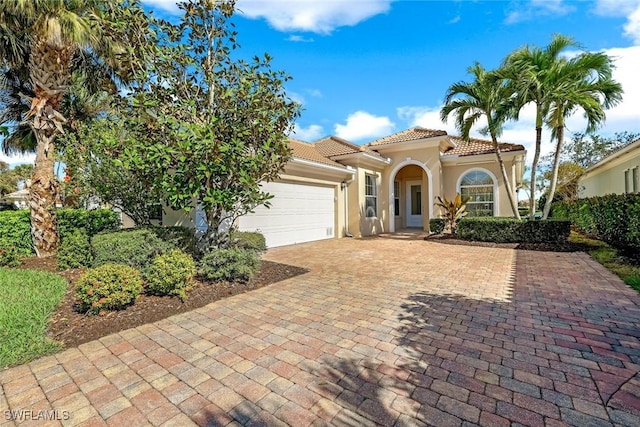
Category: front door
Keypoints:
(414, 204)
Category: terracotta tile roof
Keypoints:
(412, 134)
(305, 151)
(477, 146)
(332, 146)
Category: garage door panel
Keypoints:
(299, 213)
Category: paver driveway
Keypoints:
(379, 330)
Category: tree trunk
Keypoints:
(505, 178)
(42, 198)
(554, 172)
(49, 73)
(534, 165)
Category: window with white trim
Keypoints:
(396, 198)
(478, 186)
(370, 196)
(627, 181)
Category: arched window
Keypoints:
(479, 187)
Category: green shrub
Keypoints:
(182, 238)
(510, 230)
(614, 218)
(75, 250)
(92, 221)
(170, 274)
(108, 287)
(436, 225)
(252, 241)
(15, 226)
(229, 264)
(633, 281)
(136, 248)
(15, 232)
(10, 257)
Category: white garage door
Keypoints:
(298, 213)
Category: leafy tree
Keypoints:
(486, 97)
(224, 120)
(530, 73)
(569, 173)
(588, 149)
(95, 168)
(582, 82)
(9, 178)
(41, 44)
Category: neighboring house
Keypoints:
(618, 173)
(332, 188)
(18, 198)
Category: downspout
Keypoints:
(344, 185)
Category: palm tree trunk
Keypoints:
(554, 172)
(42, 197)
(534, 166)
(505, 178)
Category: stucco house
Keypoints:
(618, 173)
(332, 188)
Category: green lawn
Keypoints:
(27, 299)
(611, 258)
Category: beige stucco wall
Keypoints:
(359, 224)
(453, 173)
(408, 165)
(609, 178)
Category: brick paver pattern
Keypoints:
(379, 331)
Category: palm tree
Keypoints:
(583, 82)
(529, 71)
(486, 97)
(41, 43)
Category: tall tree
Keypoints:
(530, 72)
(485, 97)
(588, 149)
(41, 43)
(223, 120)
(583, 82)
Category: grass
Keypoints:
(611, 258)
(27, 299)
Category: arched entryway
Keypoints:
(411, 193)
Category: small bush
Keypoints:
(252, 241)
(510, 230)
(170, 274)
(229, 264)
(182, 238)
(74, 251)
(92, 221)
(15, 232)
(136, 248)
(633, 281)
(10, 257)
(108, 287)
(436, 225)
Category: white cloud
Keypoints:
(455, 19)
(361, 125)
(18, 158)
(167, 5)
(615, 7)
(311, 15)
(426, 117)
(632, 27)
(299, 39)
(310, 133)
(314, 93)
(536, 8)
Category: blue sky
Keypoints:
(367, 68)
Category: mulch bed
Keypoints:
(549, 247)
(73, 328)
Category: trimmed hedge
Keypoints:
(614, 218)
(436, 225)
(511, 230)
(250, 240)
(15, 226)
(134, 247)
